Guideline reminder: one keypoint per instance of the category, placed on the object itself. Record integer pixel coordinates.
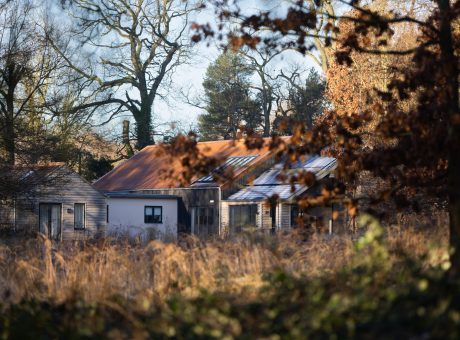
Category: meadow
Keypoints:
(372, 284)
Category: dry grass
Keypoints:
(97, 272)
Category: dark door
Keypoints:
(50, 220)
(273, 216)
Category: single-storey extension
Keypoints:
(151, 172)
(59, 204)
(251, 206)
(145, 215)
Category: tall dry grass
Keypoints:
(97, 271)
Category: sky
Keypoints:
(189, 77)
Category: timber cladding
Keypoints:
(65, 191)
(263, 216)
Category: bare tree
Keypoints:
(259, 61)
(137, 45)
(324, 32)
(28, 67)
(300, 99)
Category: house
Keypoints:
(142, 200)
(251, 207)
(57, 203)
(140, 183)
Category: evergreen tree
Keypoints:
(307, 101)
(229, 104)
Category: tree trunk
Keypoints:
(9, 139)
(266, 123)
(126, 141)
(144, 128)
(449, 62)
(10, 133)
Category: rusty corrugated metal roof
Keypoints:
(146, 169)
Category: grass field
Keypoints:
(375, 284)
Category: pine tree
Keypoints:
(229, 104)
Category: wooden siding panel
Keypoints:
(67, 190)
(265, 216)
(225, 217)
(6, 215)
(285, 216)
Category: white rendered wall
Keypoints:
(126, 217)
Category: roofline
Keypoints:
(204, 185)
(262, 157)
(234, 140)
(115, 168)
(146, 196)
(128, 191)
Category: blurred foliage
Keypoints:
(370, 298)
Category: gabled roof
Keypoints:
(268, 184)
(28, 180)
(146, 169)
(29, 174)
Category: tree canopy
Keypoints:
(419, 144)
(229, 105)
(139, 44)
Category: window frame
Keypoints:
(75, 216)
(153, 214)
(236, 211)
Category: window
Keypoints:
(79, 216)
(107, 214)
(153, 214)
(243, 215)
(295, 214)
(203, 221)
(235, 162)
(204, 216)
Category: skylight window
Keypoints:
(236, 162)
